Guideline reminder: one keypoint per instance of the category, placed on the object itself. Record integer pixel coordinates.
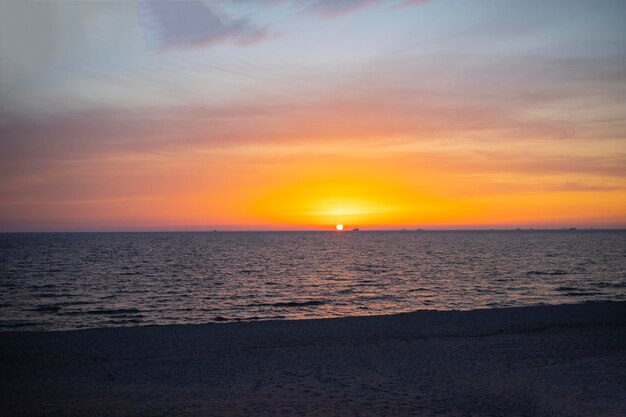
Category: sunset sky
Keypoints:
(298, 115)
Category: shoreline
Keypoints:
(600, 315)
(511, 361)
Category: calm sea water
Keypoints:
(71, 281)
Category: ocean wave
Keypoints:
(612, 284)
(125, 321)
(41, 286)
(248, 318)
(554, 272)
(567, 289)
(299, 303)
(102, 312)
(17, 324)
(49, 308)
(54, 295)
(580, 293)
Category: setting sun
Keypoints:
(339, 227)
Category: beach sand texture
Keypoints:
(567, 360)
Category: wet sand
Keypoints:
(565, 360)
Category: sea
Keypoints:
(66, 281)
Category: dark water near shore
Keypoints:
(82, 280)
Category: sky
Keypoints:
(298, 115)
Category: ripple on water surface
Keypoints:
(71, 281)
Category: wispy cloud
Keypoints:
(333, 8)
(409, 3)
(583, 187)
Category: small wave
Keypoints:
(124, 321)
(129, 316)
(42, 286)
(107, 297)
(73, 303)
(54, 295)
(299, 303)
(101, 312)
(56, 307)
(46, 308)
(580, 293)
(612, 284)
(371, 268)
(567, 289)
(16, 324)
(256, 318)
(369, 282)
(249, 318)
(555, 272)
(419, 290)
(374, 297)
(114, 311)
(488, 291)
(180, 309)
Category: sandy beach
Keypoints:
(567, 360)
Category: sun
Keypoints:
(339, 227)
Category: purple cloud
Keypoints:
(333, 8)
(172, 23)
(176, 23)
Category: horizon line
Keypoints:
(353, 230)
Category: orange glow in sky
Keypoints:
(305, 115)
